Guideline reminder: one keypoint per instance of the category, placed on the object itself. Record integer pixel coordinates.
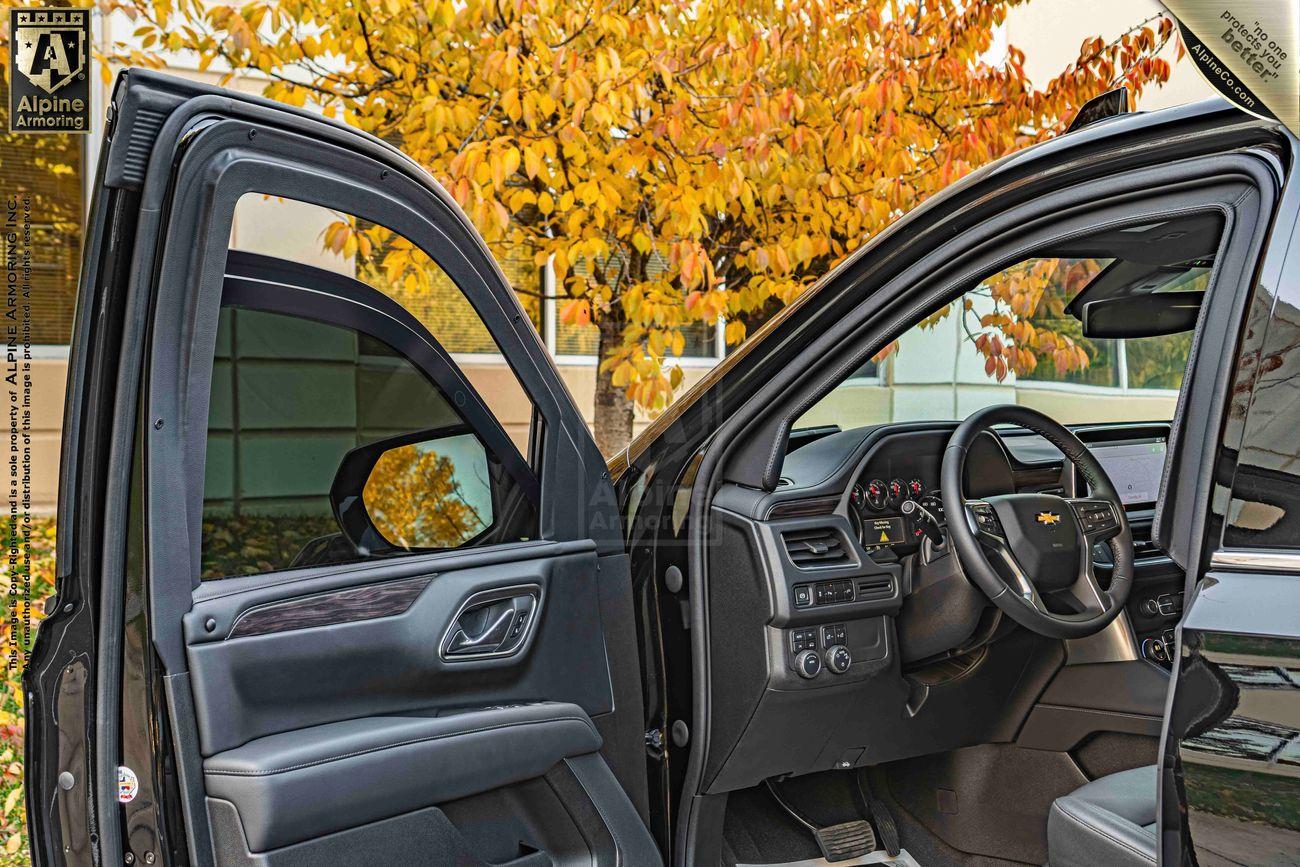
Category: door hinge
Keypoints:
(654, 741)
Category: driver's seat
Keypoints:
(1111, 820)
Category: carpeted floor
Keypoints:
(758, 831)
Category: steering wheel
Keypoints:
(1042, 541)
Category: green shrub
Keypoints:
(13, 819)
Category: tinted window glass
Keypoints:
(290, 399)
(391, 264)
(1265, 507)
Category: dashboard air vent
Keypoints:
(815, 547)
(1143, 546)
(875, 588)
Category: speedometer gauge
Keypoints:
(897, 492)
(877, 494)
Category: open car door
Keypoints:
(324, 595)
(1230, 772)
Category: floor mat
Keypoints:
(757, 830)
(927, 848)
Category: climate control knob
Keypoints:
(808, 664)
(838, 658)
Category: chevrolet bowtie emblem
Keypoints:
(1048, 518)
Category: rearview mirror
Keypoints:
(427, 490)
(1148, 315)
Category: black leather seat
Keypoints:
(1111, 821)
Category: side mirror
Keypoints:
(1148, 315)
(426, 490)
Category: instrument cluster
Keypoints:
(883, 521)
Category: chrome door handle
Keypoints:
(492, 623)
(487, 641)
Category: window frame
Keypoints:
(209, 161)
(268, 284)
(345, 302)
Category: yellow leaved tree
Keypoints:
(675, 162)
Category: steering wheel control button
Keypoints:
(1096, 517)
(986, 519)
(838, 658)
(808, 664)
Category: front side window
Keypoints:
(359, 407)
(292, 402)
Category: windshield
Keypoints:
(1009, 340)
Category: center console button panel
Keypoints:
(815, 564)
(828, 642)
(841, 592)
(803, 639)
(833, 634)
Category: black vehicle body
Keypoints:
(1264, 603)
(656, 659)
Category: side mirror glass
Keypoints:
(428, 490)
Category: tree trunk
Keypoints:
(613, 414)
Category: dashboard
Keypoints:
(828, 599)
(901, 464)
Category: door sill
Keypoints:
(877, 857)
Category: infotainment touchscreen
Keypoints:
(1134, 468)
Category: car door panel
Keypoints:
(247, 687)
(1228, 774)
(1234, 719)
(574, 808)
(365, 711)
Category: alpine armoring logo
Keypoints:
(49, 90)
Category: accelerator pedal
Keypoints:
(886, 827)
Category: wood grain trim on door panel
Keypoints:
(327, 609)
